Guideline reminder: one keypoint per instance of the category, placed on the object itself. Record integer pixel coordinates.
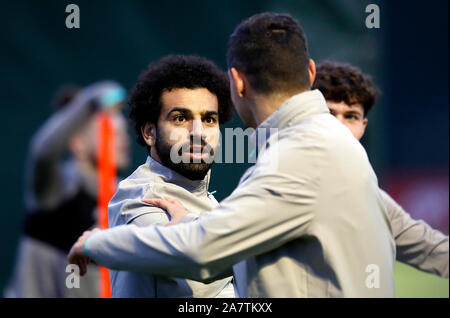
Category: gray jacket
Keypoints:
(416, 242)
(153, 180)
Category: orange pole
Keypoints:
(106, 185)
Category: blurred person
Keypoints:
(350, 95)
(177, 100)
(291, 228)
(61, 191)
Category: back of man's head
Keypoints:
(271, 50)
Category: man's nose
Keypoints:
(197, 128)
(197, 132)
(340, 118)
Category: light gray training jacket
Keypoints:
(417, 244)
(153, 180)
(307, 220)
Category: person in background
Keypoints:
(350, 95)
(61, 191)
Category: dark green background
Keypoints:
(407, 56)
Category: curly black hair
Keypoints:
(176, 71)
(340, 82)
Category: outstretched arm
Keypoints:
(417, 243)
(264, 212)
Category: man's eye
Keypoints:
(179, 119)
(352, 117)
(211, 120)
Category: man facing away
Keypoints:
(309, 224)
(350, 95)
(178, 100)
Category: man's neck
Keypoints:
(265, 105)
(154, 155)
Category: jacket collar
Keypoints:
(296, 109)
(291, 112)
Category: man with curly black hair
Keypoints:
(177, 103)
(350, 95)
(179, 80)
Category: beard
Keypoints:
(190, 170)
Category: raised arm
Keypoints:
(50, 142)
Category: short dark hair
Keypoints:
(271, 50)
(341, 82)
(176, 71)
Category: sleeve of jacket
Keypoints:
(271, 207)
(417, 244)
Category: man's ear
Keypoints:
(312, 72)
(239, 81)
(365, 122)
(148, 131)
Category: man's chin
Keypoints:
(188, 167)
(192, 171)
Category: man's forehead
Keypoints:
(194, 100)
(343, 107)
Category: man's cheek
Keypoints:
(178, 135)
(357, 131)
(213, 136)
(348, 125)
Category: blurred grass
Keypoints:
(410, 282)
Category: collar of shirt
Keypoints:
(295, 109)
(197, 187)
(292, 111)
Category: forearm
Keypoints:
(52, 138)
(142, 250)
(424, 248)
(417, 243)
